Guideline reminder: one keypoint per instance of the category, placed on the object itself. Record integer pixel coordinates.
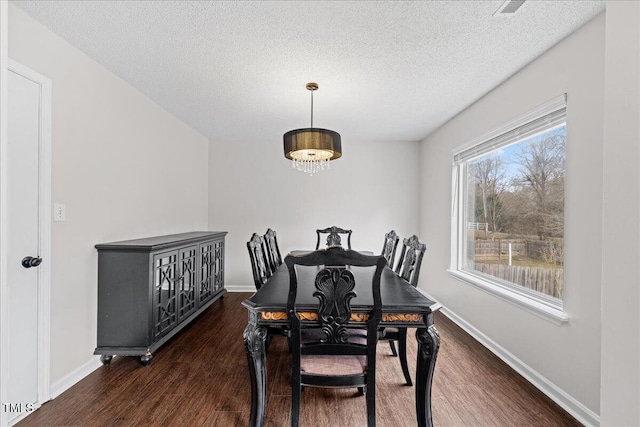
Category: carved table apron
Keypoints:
(403, 306)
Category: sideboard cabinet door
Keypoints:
(186, 284)
(218, 266)
(205, 291)
(165, 313)
(211, 270)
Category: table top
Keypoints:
(397, 295)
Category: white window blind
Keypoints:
(550, 115)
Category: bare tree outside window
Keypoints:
(515, 213)
(489, 177)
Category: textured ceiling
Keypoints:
(388, 71)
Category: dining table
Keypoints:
(403, 305)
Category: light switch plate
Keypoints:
(59, 212)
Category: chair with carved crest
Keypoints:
(391, 240)
(261, 272)
(333, 236)
(273, 251)
(259, 264)
(409, 269)
(342, 355)
(410, 259)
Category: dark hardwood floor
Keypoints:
(200, 378)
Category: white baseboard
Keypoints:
(241, 288)
(64, 383)
(564, 400)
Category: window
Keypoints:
(508, 210)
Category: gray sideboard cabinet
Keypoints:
(149, 289)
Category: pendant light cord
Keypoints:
(312, 109)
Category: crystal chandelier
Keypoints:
(310, 149)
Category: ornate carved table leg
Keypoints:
(428, 345)
(254, 343)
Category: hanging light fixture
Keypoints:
(310, 149)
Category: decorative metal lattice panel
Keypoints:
(206, 272)
(186, 284)
(164, 298)
(218, 266)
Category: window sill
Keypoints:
(555, 315)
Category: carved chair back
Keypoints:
(391, 240)
(334, 288)
(410, 259)
(273, 251)
(333, 237)
(259, 265)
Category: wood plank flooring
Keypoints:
(200, 378)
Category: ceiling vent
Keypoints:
(509, 7)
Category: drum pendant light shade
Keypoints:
(311, 149)
(300, 143)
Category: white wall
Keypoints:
(372, 189)
(568, 356)
(620, 400)
(124, 167)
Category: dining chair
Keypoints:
(410, 259)
(409, 269)
(333, 236)
(273, 251)
(389, 247)
(391, 240)
(338, 358)
(259, 264)
(261, 273)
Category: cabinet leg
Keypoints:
(106, 359)
(146, 359)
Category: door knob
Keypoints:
(29, 261)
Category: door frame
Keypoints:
(4, 336)
(44, 231)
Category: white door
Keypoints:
(25, 242)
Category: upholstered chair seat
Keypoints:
(333, 365)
